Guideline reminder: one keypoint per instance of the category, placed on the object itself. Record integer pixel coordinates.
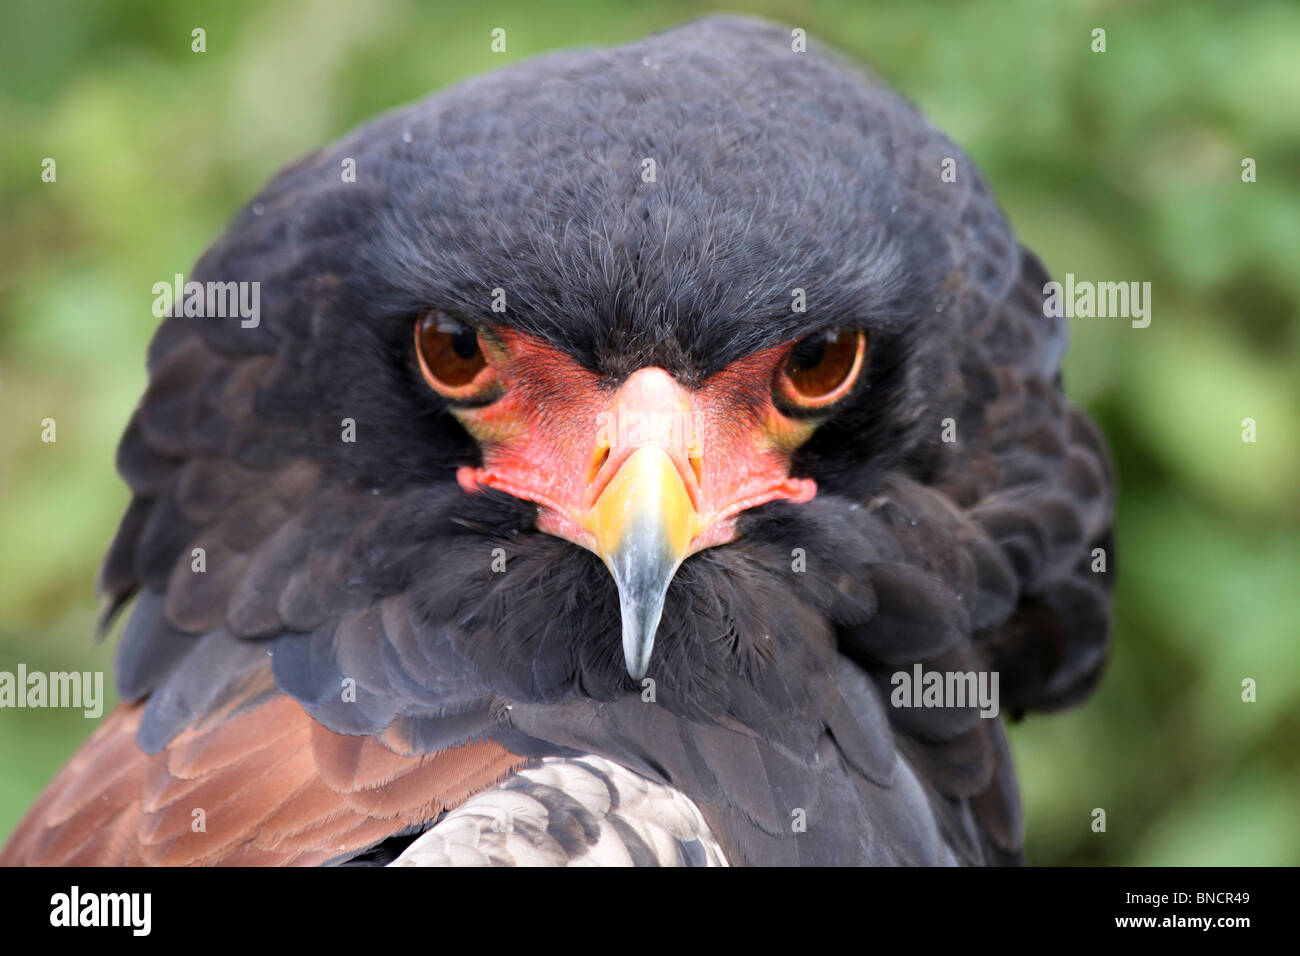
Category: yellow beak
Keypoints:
(643, 523)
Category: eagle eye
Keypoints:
(451, 356)
(821, 368)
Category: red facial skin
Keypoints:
(556, 435)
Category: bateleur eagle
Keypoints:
(605, 451)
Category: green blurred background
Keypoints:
(1124, 165)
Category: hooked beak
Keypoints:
(643, 523)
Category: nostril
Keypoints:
(598, 462)
(697, 468)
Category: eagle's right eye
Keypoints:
(451, 356)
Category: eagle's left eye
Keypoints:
(451, 355)
(822, 368)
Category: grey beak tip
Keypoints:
(638, 642)
(643, 565)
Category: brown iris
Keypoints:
(822, 368)
(451, 355)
